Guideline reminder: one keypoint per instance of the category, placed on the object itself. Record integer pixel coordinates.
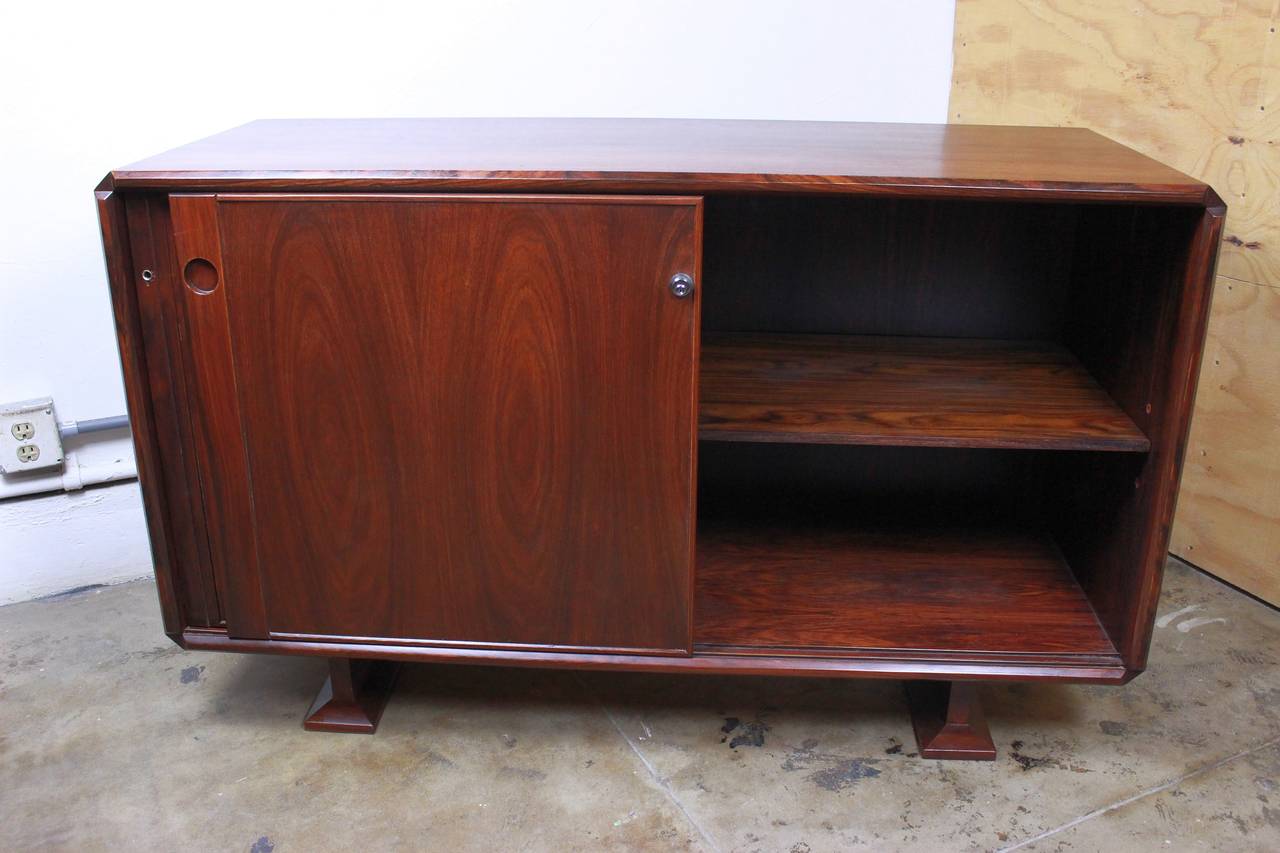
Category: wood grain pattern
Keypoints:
(1142, 342)
(462, 428)
(1195, 85)
(1229, 506)
(929, 392)
(118, 255)
(166, 341)
(949, 722)
(661, 155)
(970, 666)
(218, 427)
(471, 416)
(887, 266)
(853, 586)
(353, 696)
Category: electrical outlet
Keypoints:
(29, 437)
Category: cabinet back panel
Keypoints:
(467, 419)
(911, 487)
(879, 266)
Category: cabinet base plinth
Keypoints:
(353, 696)
(948, 721)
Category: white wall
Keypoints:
(97, 85)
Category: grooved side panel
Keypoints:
(164, 335)
(215, 414)
(112, 220)
(468, 418)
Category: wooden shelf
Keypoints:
(824, 590)
(925, 392)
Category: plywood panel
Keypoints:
(1229, 509)
(1195, 84)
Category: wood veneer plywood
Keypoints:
(1196, 84)
(1229, 510)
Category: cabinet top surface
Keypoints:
(664, 155)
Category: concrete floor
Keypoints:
(111, 738)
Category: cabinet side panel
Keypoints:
(164, 336)
(1142, 279)
(124, 303)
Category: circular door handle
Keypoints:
(681, 285)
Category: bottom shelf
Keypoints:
(830, 591)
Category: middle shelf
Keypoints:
(923, 392)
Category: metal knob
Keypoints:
(681, 285)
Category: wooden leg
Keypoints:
(352, 697)
(948, 720)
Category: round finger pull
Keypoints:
(681, 285)
(200, 275)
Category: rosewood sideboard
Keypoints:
(785, 398)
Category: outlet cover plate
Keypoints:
(27, 424)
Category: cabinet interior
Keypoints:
(923, 423)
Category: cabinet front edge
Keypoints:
(708, 664)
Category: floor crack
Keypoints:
(1141, 795)
(658, 779)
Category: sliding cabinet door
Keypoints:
(447, 419)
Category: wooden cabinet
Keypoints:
(911, 403)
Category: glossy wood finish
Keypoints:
(1143, 280)
(1228, 515)
(888, 266)
(1124, 289)
(218, 423)
(166, 341)
(118, 253)
(468, 418)
(886, 664)
(949, 722)
(353, 697)
(929, 392)
(664, 155)
(848, 585)
(462, 428)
